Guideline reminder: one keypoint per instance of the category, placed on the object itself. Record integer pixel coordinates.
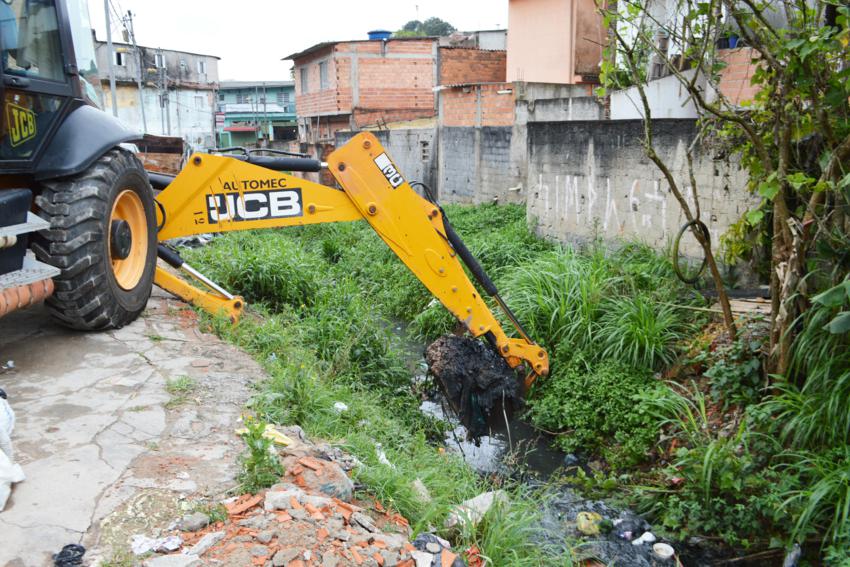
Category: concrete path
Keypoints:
(108, 451)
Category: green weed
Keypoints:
(260, 465)
(593, 404)
(180, 389)
(641, 333)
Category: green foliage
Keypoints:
(641, 333)
(559, 295)
(429, 28)
(721, 482)
(261, 266)
(735, 369)
(812, 407)
(823, 496)
(594, 405)
(260, 465)
(180, 389)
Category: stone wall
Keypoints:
(591, 179)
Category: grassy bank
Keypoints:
(641, 382)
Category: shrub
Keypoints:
(558, 296)
(720, 482)
(262, 266)
(641, 333)
(593, 405)
(735, 369)
(260, 465)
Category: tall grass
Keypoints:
(642, 333)
(559, 296)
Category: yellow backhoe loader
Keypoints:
(80, 224)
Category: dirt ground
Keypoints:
(119, 433)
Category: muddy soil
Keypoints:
(476, 381)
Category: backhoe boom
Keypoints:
(221, 194)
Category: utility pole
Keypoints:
(141, 63)
(111, 56)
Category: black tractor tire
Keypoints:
(88, 296)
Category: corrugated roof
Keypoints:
(324, 44)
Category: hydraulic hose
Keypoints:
(695, 224)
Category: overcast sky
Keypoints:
(251, 36)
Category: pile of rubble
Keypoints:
(310, 518)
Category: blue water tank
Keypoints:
(380, 34)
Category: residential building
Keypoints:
(555, 41)
(352, 84)
(254, 113)
(177, 93)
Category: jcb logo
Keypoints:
(21, 124)
(389, 170)
(254, 205)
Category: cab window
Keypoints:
(29, 39)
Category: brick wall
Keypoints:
(371, 80)
(464, 65)
(477, 105)
(735, 78)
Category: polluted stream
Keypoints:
(505, 446)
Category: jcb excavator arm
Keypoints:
(221, 194)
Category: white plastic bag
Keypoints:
(7, 425)
(9, 472)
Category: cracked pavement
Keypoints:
(107, 451)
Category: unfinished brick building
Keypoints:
(351, 84)
(358, 84)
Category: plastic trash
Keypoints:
(588, 523)
(70, 556)
(7, 425)
(141, 544)
(271, 433)
(792, 559)
(340, 407)
(663, 551)
(647, 537)
(382, 456)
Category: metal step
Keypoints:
(33, 271)
(33, 224)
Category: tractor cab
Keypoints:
(77, 219)
(49, 69)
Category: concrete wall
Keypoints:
(475, 166)
(188, 114)
(592, 179)
(667, 99)
(554, 41)
(412, 150)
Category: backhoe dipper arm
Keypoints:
(221, 194)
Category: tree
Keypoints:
(430, 27)
(793, 138)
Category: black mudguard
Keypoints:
(85, 135)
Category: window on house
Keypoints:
(159, 61)
(202, 67)
(120, 59)
(241, 98)
(220, 97)
(323, 75)
(304, 80)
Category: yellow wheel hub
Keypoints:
(128, 239)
